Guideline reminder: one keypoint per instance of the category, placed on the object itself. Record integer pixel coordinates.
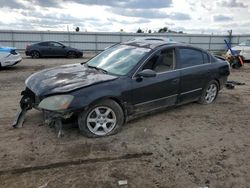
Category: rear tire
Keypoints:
(209, 93)
(103, 118)
(35, 54)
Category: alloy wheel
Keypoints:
(211, 93)
(101, 120)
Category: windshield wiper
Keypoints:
(97, 68)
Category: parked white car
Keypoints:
(9, 56)
(243, 49)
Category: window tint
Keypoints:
(162, 61)
(190, 57)
(206, 58)
(44, 44)
(55, 44)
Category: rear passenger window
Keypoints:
(206, 58)
(190, 57)
(44, 44)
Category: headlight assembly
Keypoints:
(56, 103)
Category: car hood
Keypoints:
(65, 78)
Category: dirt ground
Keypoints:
(190, 146)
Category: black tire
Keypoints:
(203, 99)
(116, 109)
(71, 54)
(35, 54)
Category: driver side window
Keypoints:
(55, 44)
(162, 61)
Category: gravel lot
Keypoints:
(189, 146)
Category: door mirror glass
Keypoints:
(147, 73)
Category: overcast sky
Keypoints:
(191, 16)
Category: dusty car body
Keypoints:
(124, 82)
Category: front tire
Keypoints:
(209, 93)
(103, 118)
(71, 54)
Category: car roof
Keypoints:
(149, 42)
(155, 42)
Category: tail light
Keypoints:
(27, 46)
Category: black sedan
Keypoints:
(51, 49)
(124, 82)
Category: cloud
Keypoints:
(131, 4)
(222, 18)
(231, 4)
(179, 16)
(46, 3)
(125, 22)
(143, 13)
(11, 4)
(149, 13)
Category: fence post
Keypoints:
(41, 36)
(69, 38)
(209, 44)
(12, 38)
(96, 50)
(120, 37)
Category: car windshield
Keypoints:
(119, 59)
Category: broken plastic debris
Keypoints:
(122, 182)
(45, 185)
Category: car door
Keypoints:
(194, 66)
(150, 93)
(44, 48)
(57, 49)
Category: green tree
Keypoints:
(139, 31)
(77, 29)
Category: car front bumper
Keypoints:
(11, 60)
(30, 100)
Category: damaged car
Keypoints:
(125, 81)
(9, 57)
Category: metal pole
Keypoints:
(96, 50)
(209, 44)
(12, 38)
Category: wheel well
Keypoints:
(218, 82)
(34, 51)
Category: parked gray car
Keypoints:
(51, 49)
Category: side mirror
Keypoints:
(147, 73)
(63, 46)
